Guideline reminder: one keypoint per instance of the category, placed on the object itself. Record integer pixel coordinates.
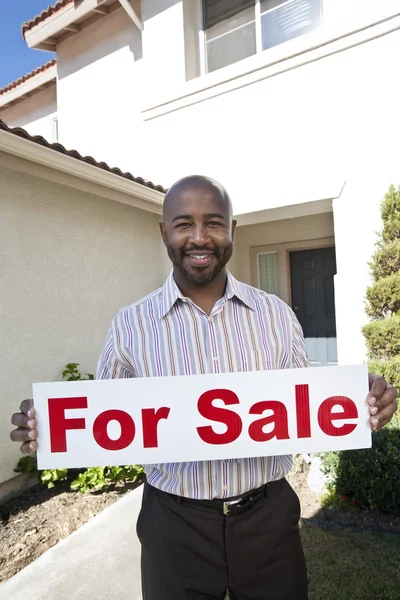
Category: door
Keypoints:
(313, 302)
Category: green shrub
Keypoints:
(99, 478)
(389, 370)
(71, 373)
(368, 479)
(390, 213)
(383, 298)
(93, 478)
(386, 260)
(383, 338)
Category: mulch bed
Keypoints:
(39, 518)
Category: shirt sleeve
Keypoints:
(111, 365)
(299, 353)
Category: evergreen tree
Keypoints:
(382, 334)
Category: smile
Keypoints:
(199, 260)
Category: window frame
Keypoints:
(54, 129)
(258, 35)
(262, 253)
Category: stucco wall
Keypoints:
(99, 89)
(276, 232)
(69, 261)
(35, 114)
(281, 139)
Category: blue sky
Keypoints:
(16, 59)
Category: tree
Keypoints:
(369, 478)
(382, 333)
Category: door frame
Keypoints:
(284, 250)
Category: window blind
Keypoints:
(268, 269)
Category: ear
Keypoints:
(233, 230)
(163, 233)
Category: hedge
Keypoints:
(383, 338)
(386, 260)
(383, 298)
(368, 479)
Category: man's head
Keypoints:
(198, 228)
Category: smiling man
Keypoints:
(206, 527)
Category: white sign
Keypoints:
(201, 417)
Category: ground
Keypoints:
(40, 518)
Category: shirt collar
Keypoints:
(170, 293)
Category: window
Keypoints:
(54, 129)
(268, 272)
(237, 29)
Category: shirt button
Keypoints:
(215, 358)
(224, 487)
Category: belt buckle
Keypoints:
(226, 505)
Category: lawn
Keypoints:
(347, 565)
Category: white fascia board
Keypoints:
(29, 86)
(56, 23)
(17, 146)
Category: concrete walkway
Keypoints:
(99, 561)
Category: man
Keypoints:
(210, 526)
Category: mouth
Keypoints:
(199, 259)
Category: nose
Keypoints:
(199, 235)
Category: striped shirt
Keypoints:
(166, 334)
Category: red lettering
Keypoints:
(279, 417)
(303, 411)
(326, 416)
(59, 424)
(231, 419)
(150, 420)
(127, 429)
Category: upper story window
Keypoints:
(54, 130)
(237, 29)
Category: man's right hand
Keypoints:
(26, 431)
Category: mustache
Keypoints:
(193, 248)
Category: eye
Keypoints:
(215, 224)
(182, 225)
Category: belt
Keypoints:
(234, 506)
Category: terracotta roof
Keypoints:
(38, 139)
(45, 14)
(18, 82)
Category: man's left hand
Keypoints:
(382, 400)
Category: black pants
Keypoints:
(193, 552)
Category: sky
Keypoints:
(16, 59)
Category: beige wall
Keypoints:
(284, 235)
(69, 261)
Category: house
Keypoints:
(291, 104)
(73, 234)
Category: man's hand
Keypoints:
(382, 400)
(26, 427)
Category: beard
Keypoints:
(200, 275)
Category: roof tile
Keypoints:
(38, 139)
(22, 79)
(45, 14)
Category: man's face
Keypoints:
(198, 232)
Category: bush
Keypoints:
(386, 260)
(93, 478)
(389, 370)
(383, 338)
(390, 213)
(368, 479)
(99, 478)
(383, 298)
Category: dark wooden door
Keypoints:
(313, 300)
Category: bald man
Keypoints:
(211, 526)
